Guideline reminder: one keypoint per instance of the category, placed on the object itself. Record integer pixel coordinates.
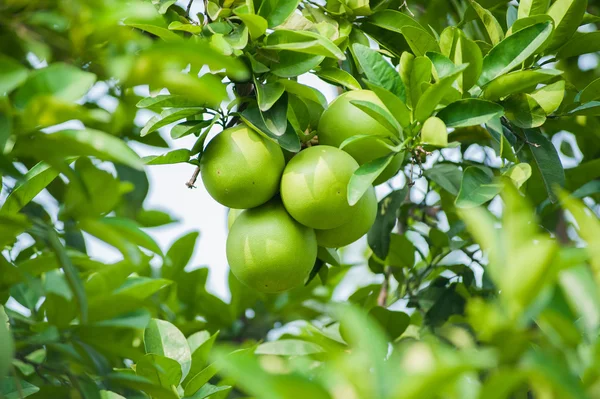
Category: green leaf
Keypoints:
(168, 116)
(477, 187)
(434, 132)
(292, 64)
(339, 77)
(210, 390)
(13, 388)
(547, 161)
(180, 253)
(176, 156)
(267, 94)
(378, 70)
(85, 142)
(34, 181)
(393, 323)
(200, 344)
(288, 141)
(513, 50)
(288, 347)
(550, 97)
(63, 81)
(528, 8)
(130, 380)
(277, 11)
(189, 127)
(387, 213)
(591, 92)
(417, 37)
(469, 112)
(580, 43)
(257, 25)
(382, 116)
(12, 74)
(159, 369)
(524, 111)
(113, 237)
(7, 345)
(303, 42)
(567, 16)
(434, 94)
(491, 24)
(446, 175)
(419, 40)
(394, 104)
(578, 283)
(164, 339)
(133, 232)
(517, 82)
(329, 256)
(462, 50)
(164, 34)
(442, 65)
(519, 173)
(167, 101)
(364, 177)
(591, 109)
(190, 28)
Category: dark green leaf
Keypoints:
(387, 213)
(524, 111)
(469, 112)
(477, 187)
(394, 323)
(446, 175)
(547, 161)
(12, 74)
(379, 71)
(363, 177)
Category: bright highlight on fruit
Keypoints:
(343, 120)
(270, 251)
(241, 169)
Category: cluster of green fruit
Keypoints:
(280, 213)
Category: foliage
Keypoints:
(486, 250)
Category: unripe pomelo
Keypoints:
(232, 216)
(363, 217)
(268, 250)
(240, 168)
(342, 120)
(314, 187)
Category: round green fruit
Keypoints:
(240, 168)
(343, 120)
(362, 219)
(269, 251)
(314, 187)
(232, 216)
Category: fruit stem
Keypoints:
(194, 177)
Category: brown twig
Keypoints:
(385, 287)
(191, 183)
(189, 8)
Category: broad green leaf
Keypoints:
(419, 40)
(85, 142)
(519, 173)
(12, 74)
(176, 156)
(513, 50)
(304, 91)
(591, 109)
(34, 181)
(434, 132)
(387, 213)
(491, 24)
(64, 81)
(382, 116)
(189, 127)
(113, 237)
(378, 70)
(166, 101)
(591, 92)
(130, 380)
(267, 94)
(180, 253)
(469, 112)
(550, 97)
(13, 388)
(292, 64)
(288, 347)
(364, 177)
(528, 8)
(168, 116)
(393, 323)
(524, 111)
(446, 175)
(210, 390)
(477, 187)
(209, 371)
(277, 11)
(580, 43)
(164, 339)
(44, 111)
(163, 33)
(190, 28)
(200, 344)
(110, 395)
(257, 25)
(435, 93)
(12, 226)
(517, 82)
(159, 369)
(567, 15)
(133, 232)
(414, 73)
(578, 283)
(339, 77)
(462, 50)
(303, 42)
(547, 161)
(394, 104)
(289, 140)
(442, 65)
(138, 320)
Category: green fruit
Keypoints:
(314, 187)
(343, 120)
(269, 251)
(232, 216)
(241, 169)
(361, 221)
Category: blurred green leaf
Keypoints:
(477, 187)
(12, 74)
(34, 181)
(387, 213)
(13, 388)
(288, 347)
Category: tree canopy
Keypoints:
(486, 244)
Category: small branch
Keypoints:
(189, 8)
(191, 183)
(385, 287)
